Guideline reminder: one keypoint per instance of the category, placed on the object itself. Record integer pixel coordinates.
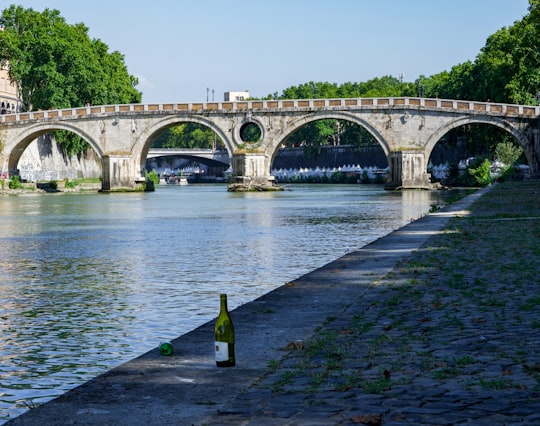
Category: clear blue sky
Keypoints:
(179, 48)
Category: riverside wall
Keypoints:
(43, 160)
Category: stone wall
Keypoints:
(330, 156)
(43, 160)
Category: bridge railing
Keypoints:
(293, 104)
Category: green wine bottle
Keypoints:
(224, 333)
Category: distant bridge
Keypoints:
(407, 129)
(214, 156)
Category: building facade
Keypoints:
(10, 101)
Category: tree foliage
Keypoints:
(377, 87)
(506, 70)
(57, 65)
(508, 153)
(481, 172)
(188, 135)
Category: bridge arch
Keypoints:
(436, 136)
(323, 115)
(149, 135)
(34, 131)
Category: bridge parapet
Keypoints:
(470, 107)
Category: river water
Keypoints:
(88, 281)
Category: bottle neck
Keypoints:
(223, 307)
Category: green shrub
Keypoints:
(482, 174)
(351, 179)
(337, 177)
(15, 182)
(153, 176)
(364, 178)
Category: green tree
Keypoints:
(510, 60)
(506, 70)
(311, 90)
(377, 87)
(353, 134)
(188, 135)
(508, 153)
(316, 133)
(57, 65)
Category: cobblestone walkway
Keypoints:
(450, 337)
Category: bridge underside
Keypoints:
(194, 158)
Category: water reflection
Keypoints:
(90, 280)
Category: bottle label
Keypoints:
(222, 351)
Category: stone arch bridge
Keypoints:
(407, 129)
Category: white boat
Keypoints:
(176, 180)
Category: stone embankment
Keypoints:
(43, 160)
(32, 188)
(437, 323)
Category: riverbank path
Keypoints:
(437, 323)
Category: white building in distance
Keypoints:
(236, 96)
